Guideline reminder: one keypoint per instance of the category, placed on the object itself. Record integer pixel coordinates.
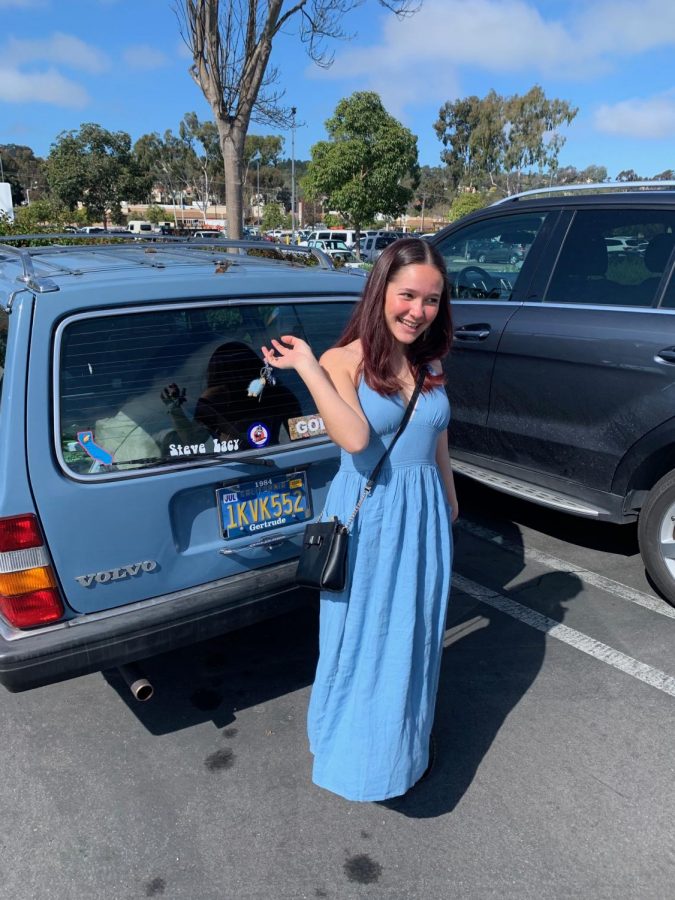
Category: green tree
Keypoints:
(361, 168)
(95, 167)
(629, 175)
(472, 132)
(24, 171)
(40, 214)
(274, 217)
(165, 159)
(204, 161)
(261, 166)
(465, 203)
(495, 140)
(231, 45)
(433, 190)
(532, 139)
(156, 214)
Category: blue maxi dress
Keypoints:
(380, 640)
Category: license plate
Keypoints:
(263, 504)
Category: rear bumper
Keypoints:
(105, 641)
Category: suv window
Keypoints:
(484, 259)
(140, 389)
(613, 257)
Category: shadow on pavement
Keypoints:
(210, 681)
(483, 505)
(489, 664)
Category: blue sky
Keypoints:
(122, 64)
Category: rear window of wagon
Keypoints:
(151, 387)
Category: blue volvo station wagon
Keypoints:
(154, 486)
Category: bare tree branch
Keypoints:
(231, 47)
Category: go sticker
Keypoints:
(258, 435)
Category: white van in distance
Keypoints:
(140, 226)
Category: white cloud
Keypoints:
(143, 56)
(425, 55)
(40, 87)
(63, 49)
(619, 28)
(652, 118)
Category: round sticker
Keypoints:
(258, 435)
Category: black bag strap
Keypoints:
(370, 484)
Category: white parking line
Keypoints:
(561, 565)
(602, 652)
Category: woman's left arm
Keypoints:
(445, 467)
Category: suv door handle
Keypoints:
(668, 355)
(472, 332)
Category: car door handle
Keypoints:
(472, 332)
(668, 355)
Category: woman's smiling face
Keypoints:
(411, 301)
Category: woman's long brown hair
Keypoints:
(368, 324)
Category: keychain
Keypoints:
(257, 386)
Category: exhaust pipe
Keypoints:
(138, 684)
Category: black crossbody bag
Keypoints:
(323, 559)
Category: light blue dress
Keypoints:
(380, 641)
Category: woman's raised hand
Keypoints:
(288, 353)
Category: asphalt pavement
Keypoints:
(554, 775)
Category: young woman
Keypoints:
(380, 642)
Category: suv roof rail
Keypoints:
(94, 242)
(600, 186)
(29, 278)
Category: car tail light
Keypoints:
(28, 593)
(19, 533)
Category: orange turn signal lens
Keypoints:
(37, 579)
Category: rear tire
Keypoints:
(656, 536)
(481, 257)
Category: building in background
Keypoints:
(6, 207)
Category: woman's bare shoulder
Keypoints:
(347, 357)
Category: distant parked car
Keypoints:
(371, 247)
(210, 234)
(496, 251)
(336, 250)
(625, 245)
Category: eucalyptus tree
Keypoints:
(165, 158)
(494, 141)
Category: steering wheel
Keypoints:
(478, 292)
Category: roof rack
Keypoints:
(29, 278)
(615, 186)
(94, 242)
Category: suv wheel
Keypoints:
(481, 257)
(656, 536)
(513, 259)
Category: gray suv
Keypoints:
(562, 378)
